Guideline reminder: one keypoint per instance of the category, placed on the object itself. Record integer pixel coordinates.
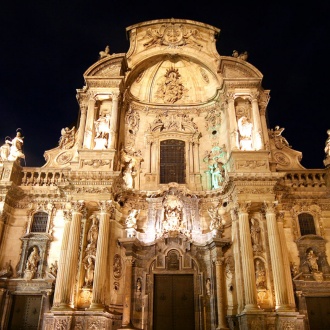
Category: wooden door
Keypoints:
(318, 309)
(25, 312)
(174, 302)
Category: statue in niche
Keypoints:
(16, 149)
(173, 207)
(138, 285)
(7, 270)
(327, 145)
(117, 266)
(89, 274)
(32, 263)
(93, 233)
(245, 133)
(217, 174)
(215, 166)
(67, 138)
(130, 161)
(260, 275)
(208, 286)
(5, 149)
(311, 259)
(255, 235)
(102, 131)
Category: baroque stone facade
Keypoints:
(172, 205)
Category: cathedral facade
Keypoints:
(171, 205)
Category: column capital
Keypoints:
(105, 206)
(115, 95)
(219, 261)
(243, 206)
(77, 206)
(270, 207)
(230, 95)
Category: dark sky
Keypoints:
(46, 46)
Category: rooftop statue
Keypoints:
(16, 147)
(105, 53)
(327, 145)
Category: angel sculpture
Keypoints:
(67, 138)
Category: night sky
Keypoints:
(46, 46)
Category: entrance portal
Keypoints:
(174, 302)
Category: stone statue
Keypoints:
(260, 275)
(208, 286)
(279, 140)
(53, 268)
(67, 138)
(255, 234)
(132, 218)
(102, 131)
(245, 132)
(105, 53)
(327, 145)
(243, 56)
(89, 275)
(16, 147)
(32, 264)
(312, 261)
(294, 269)
(5, 149)
(173, 207)
(93, 233)
(138, 285)
(217, 222)
(7, 270)
(217, 174)
(130, 161)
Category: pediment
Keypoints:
(110, 66)
(234, 68)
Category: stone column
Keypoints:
(2, 223)
(191, 157)
(101, 256)
(280, 286)
(220, 294)
(232, 121)
(263, 101)
(196, 158)
(154, 158)
(114, 120)
(257, 141)
(247, 258)
(127, 292)
(89, 126)
(59, 287)
(286, 262)
(237, 258)
(148, 156)
(71, 262)
(2, 300)
(82, 124)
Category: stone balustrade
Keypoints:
(305, 178)
(33, 176)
